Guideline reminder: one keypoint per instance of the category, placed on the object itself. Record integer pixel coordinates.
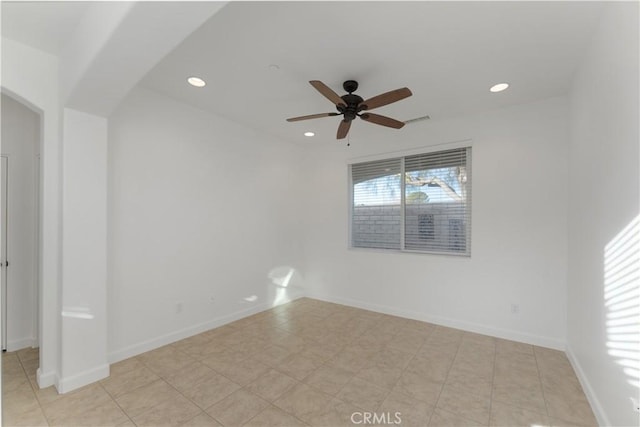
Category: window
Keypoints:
(413, 203)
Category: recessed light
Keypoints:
(499, 87)
(309, 134)
(196, 81)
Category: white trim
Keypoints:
(420, 150)
(65, 385)
(152, 344)
(512, 335)
(22, 343)
(45, 380)
(594, 402)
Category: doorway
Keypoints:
(19, 243)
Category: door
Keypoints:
(3, 246)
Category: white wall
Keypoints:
(20, 143)
(84, 251)
(604, 182)
(519, 243)
(199, 207)
(31, 76)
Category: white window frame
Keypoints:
(402, 154)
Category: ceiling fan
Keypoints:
(351, 106)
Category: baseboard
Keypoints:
(45, 380)
(598, 411)
(172, 337)
(67, 384)
(16, 345)
(452, 323)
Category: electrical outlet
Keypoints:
(178, 307)
(515, 308)
(212, 299)
(636, 404)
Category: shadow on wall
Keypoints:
(622, 301)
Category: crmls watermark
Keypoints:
(376, 418)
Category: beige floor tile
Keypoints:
(303, 402)
(523, 396)
(380, 374)
(251, 346)
(244, 371)
(442, 418)
(419, 388)
(32, 417)
(506, 415)
(323, 349)
(172, 413)
(189, 375)
(11, 384)
(146, 397)
(125, 366)
(223, 356)
(363, 394)
(406, 344)
(76, 402)
(462, 402)
(433, 368)
(329, 379)
(272, 385)
(510, 347)
(349, 360)
(275, 417)
(208, 389)
(337, 413)
(237, 408)
(462, 381)
(118, 384)
(411, 412)
(202, 420)
(562, 423)
(105, 414)
(391, 357)
(435, 347)
(300, 366)
(273, 355)
(570, 408)
(166, 360)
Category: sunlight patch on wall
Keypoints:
(622, 299)
(282, 279)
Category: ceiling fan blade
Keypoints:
(382, 120)
(312, 116)
(343, 129)
(327, 92)
(384, 99)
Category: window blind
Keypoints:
(437, 190)
(376, 213)
(416, 203)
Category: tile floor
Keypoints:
(314, 363)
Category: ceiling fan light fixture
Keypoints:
(499, 87)
(196, 81)
(309, 134)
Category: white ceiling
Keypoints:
(447, 53)
(44, 25)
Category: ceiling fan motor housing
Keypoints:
(351, 110)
